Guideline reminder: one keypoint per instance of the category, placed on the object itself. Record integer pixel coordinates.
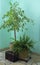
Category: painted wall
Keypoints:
(32, 10)
(4, 35)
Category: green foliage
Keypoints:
(23, 44)
(14, 18)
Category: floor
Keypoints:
(34, 61)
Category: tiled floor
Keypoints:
(34, 61)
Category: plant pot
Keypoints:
(11, 56)
(24, 55)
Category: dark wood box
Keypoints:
(9, 55)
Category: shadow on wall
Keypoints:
(36, 48)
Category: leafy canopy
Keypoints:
(14, 18)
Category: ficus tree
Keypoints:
(14, 18)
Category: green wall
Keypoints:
(4, 35)
(32, 10)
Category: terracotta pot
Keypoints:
(23, 54)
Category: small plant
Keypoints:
(23, 44)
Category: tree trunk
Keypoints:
(15, 35)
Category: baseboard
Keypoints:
(37, 54)
(4, 49)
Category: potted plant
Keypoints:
(23, 46)
(14, 19)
